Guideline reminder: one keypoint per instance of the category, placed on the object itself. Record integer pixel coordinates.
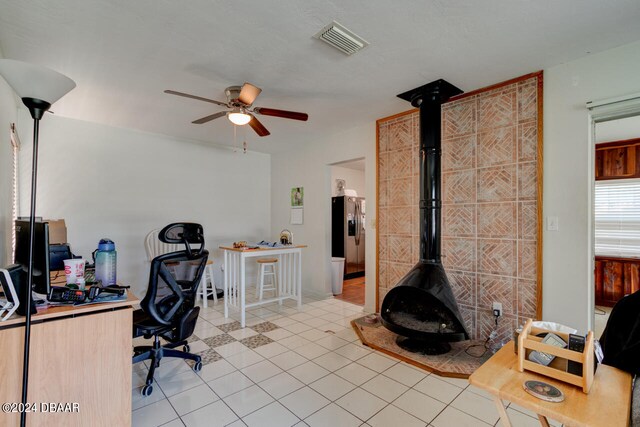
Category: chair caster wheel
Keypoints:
(186, 348)
(147, 390)
(197, 367)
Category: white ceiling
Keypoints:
(123, 54)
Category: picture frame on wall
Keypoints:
(297, 197)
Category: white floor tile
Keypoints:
(361, 403)
(297, 327)
(332, 361)
(356, 374)
(332, 386)
(237, 423)
(272, 415)
(175, 423)
(519, 419)
(393, 416)
(243, 333)
(453, 417)
(244, 359)
(348, 334)
(153, 415)
(311, 350)
(405, 374)
(280, 385)
(308, 372)
(385, 388)
(315, 322)
(293, 342)
(278, 334)
(476, 406)
(332, 342)
(261, 371)
(221, 321)
(301, 317)
(197, 347)
(215, 370)
(313, 335)
(170, 367)
(443, 391)
(206, 331)
(377, 362)
(216, 414)
(231, 349)
(230, 384)
(248, 400)
(138, 400)
(480, 392)
(285, 321)
(353, 351)
(419, 405)
(288, 360)
(179, 383)
(460, 382)
(333, 416)
(192, 399)
(304, 402)
(271, 349)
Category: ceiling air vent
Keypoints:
(342, 39)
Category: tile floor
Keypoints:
(304, 367)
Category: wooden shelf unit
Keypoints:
(528, 341)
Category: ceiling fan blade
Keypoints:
(282, 113)
(258, 127)
(209, 118)
(199, 98)
(248, 93)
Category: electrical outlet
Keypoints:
(497, 309)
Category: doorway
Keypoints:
(616, 209)
(348, 228)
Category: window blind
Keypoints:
(617, 217)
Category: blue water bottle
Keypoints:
(105, 261)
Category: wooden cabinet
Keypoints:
(615, 278)
(618, 160)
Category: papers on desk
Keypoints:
(264, 244)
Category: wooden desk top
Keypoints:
(231, 248)
(607, 404)
(52, 312)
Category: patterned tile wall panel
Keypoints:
(490, 170)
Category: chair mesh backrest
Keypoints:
(174, 277)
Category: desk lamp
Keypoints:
(38, 87)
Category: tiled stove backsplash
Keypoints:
(490, 201)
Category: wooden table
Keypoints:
(289, 276)
(78, 355)
(608, 403)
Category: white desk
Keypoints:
(289, 276)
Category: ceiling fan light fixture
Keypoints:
(238, 117)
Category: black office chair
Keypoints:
(168, 309)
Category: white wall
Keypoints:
(354, 179)
(8, 113)
(567, 175)
(119, 183)
(309, 167)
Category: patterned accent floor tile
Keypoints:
(256, 341)
(228, 327)
(218, 340)
(264, 327)
(209, 356)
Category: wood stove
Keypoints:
(421, 307)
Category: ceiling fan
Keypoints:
(239, 101)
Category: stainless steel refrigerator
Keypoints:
(348, 233)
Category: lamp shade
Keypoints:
(238, 118)
(35, 81)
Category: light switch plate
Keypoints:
(552, 223)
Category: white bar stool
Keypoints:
(273, 286)
(205, 290)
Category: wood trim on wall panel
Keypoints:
(539, 166)
(497, 86)
(377, 216)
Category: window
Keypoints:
(617, 217)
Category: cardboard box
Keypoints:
(57, 231)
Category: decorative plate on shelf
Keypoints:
(543, 391)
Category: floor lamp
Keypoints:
(38, 87)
